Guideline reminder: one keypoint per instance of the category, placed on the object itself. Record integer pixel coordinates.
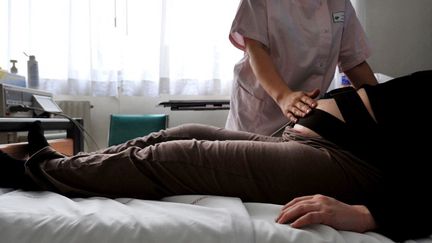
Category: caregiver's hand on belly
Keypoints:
(330, 106)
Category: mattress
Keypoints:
(27, 216)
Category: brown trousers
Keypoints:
(200, 159)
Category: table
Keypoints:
(197, 104)
(11, 124)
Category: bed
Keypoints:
(30, 216)
(27, 216)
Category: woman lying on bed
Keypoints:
(357, 148)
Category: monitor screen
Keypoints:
(46, 103)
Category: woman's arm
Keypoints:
(292, 103)
(319, 209)
(361, 74)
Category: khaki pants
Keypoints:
(200, 159)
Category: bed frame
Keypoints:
(72, 144)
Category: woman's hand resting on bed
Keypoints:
(319, 209)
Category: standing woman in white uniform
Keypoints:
(291, 49)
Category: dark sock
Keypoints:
(36, 138)
(11, 171)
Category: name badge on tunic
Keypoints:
(338, 17)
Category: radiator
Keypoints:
(79, 108)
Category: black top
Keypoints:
(358, 134)
(396, 144)
(401, 206)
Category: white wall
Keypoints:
(104, 106)
(400, 32)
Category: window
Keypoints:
(128, 47)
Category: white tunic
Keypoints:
(306, 40)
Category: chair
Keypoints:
(124, 127)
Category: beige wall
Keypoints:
(104, 106)
(400, 32)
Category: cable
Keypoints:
(279, 130)
(24, 108)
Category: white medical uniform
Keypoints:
(306, 40)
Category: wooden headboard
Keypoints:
(72, 144)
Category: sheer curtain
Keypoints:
(122, 47)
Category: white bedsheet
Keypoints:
(50, 217)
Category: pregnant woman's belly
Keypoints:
(330, 106)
